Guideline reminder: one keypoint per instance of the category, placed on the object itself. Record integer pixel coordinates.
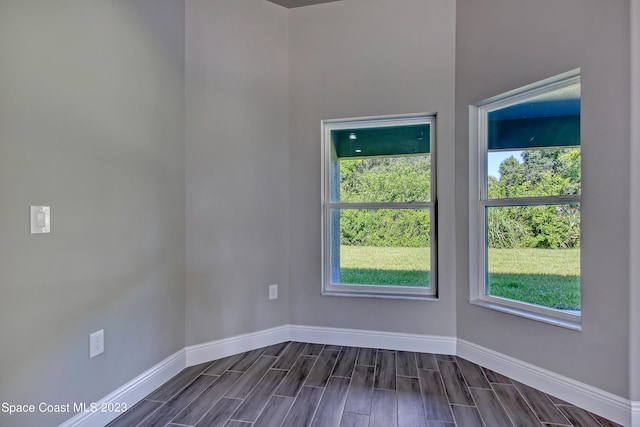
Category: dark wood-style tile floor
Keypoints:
(296, 384)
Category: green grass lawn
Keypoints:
(548, 277)
(368, 265)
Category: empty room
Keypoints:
(252, 213)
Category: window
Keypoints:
(525, 162)
(379, 207)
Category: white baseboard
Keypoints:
(373, 339)
(635, 414)
(240, 343)
(580, 394)
(595, 400)
(132, 392)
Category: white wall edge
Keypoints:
(598, 401)
(374, 339)
(131, 392)
(218, 349)
(634, 227)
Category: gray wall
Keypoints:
(237, 164)
(502, 45)
(359, 58)
(92, 123)
(634, 226)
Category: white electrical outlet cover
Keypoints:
(40, 219)
(96, 343)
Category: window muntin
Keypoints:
(378, 207)
(528, 213)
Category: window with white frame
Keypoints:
(525, 161)
(379, 207)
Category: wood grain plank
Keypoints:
(312, 349)
(579, 417)
(410, 409)
(445, 357)
(354, 420)
(454, 384)
(321, 371)
(219, 366)
(367, 356)
(490, 408)
(259, 396)
(276, 349)
(359, 397)
(304, 407)
(473, 374)
(516, 406)
(427, 361)
(296, 377)
(467, 416)
(605, 422)
(234, 423)
(331, 406)
(434, 396)
(541, 405)
(191, 414)
(558, 401)
(346, 362)
(274, 412)
(220, 412)
(135, 414)
(385, 370)
(248, 381)
(289, 356)
(495, 377)
(384, 409)
(177, 403)
(246, 359)
(406, 364)
(177, 383)
(432, 423)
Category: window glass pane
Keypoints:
(533, 172)
(387, 179)
(382, 141)
(381, 247)
(533, 254)
(551, 119)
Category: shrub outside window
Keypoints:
(525, 161)
(379, 207)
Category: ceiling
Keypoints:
(299, 3)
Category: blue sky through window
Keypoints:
(494, 158)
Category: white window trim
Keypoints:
(376, 291)
(478, 201)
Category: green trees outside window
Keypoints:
(541, 172)
(390, 179)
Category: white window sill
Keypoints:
(575, 325)
(396, 296)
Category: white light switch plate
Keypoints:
(40, 219)
(273, 291)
